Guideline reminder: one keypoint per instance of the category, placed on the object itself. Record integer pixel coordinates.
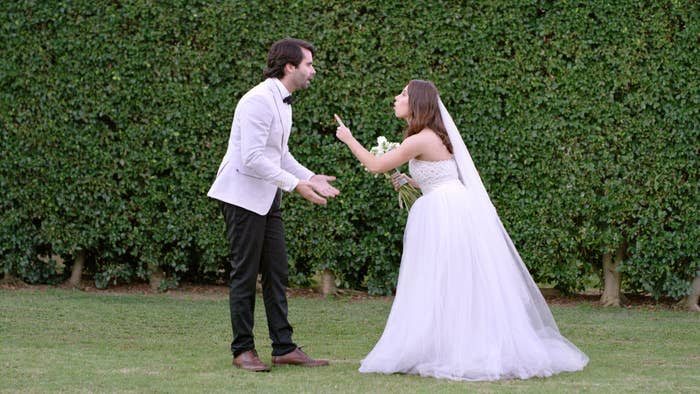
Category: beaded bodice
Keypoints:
(431, 174)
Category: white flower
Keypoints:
(407, 194)
(383, 146)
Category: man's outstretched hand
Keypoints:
(316, 188)
(321, 184)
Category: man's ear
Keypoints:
(288, 68)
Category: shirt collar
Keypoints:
(283, 90)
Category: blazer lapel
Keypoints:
(283, 113)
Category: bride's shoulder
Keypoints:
(426, 133)
(431, 145)
(429, 136)
(421, 144)
(424, 137)
(429, 132)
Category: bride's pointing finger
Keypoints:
(340, 121)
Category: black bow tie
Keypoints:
(288, 100)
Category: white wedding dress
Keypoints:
(466, 307)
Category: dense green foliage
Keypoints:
(582, 117)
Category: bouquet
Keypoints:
(407, 193)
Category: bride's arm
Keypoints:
(409, 148)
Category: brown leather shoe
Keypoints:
(250, 362)
(297, 357)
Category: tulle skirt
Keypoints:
(466, 307)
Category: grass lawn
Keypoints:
(72, 341)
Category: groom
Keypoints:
(256, 169)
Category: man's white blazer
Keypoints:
(257, 160)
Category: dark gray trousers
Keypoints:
(257, 246)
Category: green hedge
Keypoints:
(582, 118)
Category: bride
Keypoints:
(466, 307)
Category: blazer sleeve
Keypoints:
(256, 121)
(290, 164)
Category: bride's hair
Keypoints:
(425, 111)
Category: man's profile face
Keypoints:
(304, 72)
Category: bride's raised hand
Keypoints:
(342, 132)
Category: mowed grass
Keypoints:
(71, 341)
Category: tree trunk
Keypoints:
(612, 294)
(691, 301)
(327, 283)
(77, 271)
(10, 279)
(155, 277)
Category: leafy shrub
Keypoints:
(581, 117)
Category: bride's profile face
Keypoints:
(401, 108)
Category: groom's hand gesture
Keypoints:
(316, 188)
(321, 184)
